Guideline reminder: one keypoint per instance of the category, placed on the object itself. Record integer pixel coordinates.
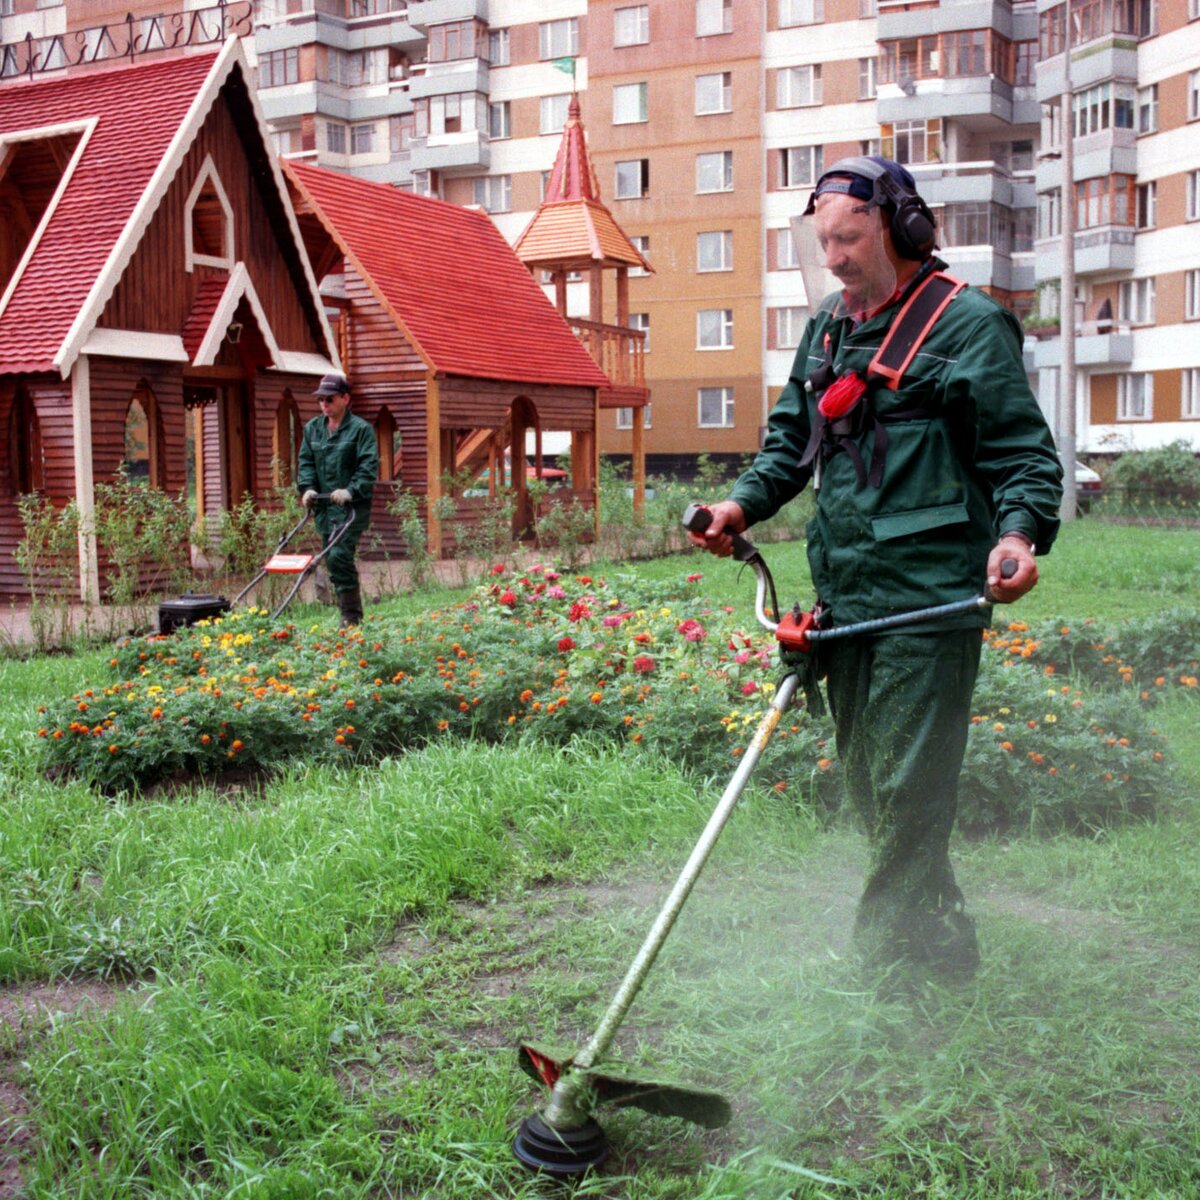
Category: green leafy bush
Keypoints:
(1166, 472)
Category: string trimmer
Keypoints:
(564, 1138)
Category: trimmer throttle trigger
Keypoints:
(697, 518)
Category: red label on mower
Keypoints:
(288, 564)
(794, 634)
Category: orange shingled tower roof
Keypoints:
(572, 229)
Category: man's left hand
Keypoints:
(1022, 580)
(341, 496)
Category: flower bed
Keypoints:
(551, 657)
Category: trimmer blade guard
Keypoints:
(615, 1084)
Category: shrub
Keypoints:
(1167, 473)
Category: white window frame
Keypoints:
(1189, 394)
(625, 417)
(787, 326)
(641, 243)
(1193, 94)
(798, 87)
(499, 48)
(1146, 120)
(789, 176)
(714, 329)
(722, 396)
(868, 78)
(362, 132)
(208, 174)
(708, 160)
(499, 120)
(549, 122)
(641, 320)
(720, 240)
(335, 131)
(1192, 208)
(787, 256)
(643, 168)
(1135, 301)
(1135, 390)
(723, 94)
(493, 193)
(1191, 294)
(558, 39)
(714, 17)
(630, 103)
(800, 12)
(636, 21)
(1145, 203)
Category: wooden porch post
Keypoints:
(596, 291)
(433, 461)
(622, 296)
(85, 491)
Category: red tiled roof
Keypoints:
(450, 280)
(204, 306)
(137, 111)
(572, 227)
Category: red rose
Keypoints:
(565, 644)
(508, 597)
(643, 664)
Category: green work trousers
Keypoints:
(343, 571)
(901, 705)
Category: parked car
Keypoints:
(1089, 487)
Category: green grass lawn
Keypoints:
(344, 960)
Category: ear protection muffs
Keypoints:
(913, 226)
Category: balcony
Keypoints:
(1097, 344)
(439, 12)
(1097, 250)
(918, 18)
(446, 79)
(446, 151)
(961, 97)
(618, 352)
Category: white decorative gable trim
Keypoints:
(238, 287)
(193, 258)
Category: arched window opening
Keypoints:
(208, 217)
(26, 457)
(385, 438)
(143, 459)
(285, 445)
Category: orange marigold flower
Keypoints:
(349, 704)
(1007, 746)
(443, 725)
(1052, 771)
(823, 764)
(205, 740)
(340, 739)
(113, 748)
(526, 696)
(999, 727)
(1036, 758)
(57, 733)
(237, 744)
(596, 697)
(1157, 756)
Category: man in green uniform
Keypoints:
(924, 485)
(339, 456)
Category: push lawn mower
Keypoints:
(564, 1138)
(194, 606)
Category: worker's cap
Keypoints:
(333, 384)
(869, 177)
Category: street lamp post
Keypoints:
(1066, 299)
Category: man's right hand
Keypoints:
(309, 498)
(727, 519)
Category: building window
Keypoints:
(1023, 223)
(1050, 214)
(1147, 109)
(784, 256)
(1193, 95)
(641, 243)
(868, 8)
(558, 39)
(26, 457)
(715, 407)
(143, 461)
(553, 113)
(1135, 301)
(362, 138)
(1102, 107)
(967, 223)
(455, 40)
(714, 171)
(912, 141)
(798, 86)
(208, 222)
(1026, 62)
(713, 16)
(278, 68)
(1104, 201)
(868, 78)
(493, 193)
(497, 47)
(641, 321)
(1147, 205)
(625, 417)
(385, 440)
(800, 12)
(285, 441)
(714, 251)
(784, 327)
(1022, 157)
(401, 131)
(1191, 295)
(335, 138)
(799, 166)
(629, 103)
(500, 120)
(1189, 394)
(714, 93)
(714, 329)
(631, 26)
(633, 179)
(1135, 397)
(1192, 201)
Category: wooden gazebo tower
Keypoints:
(573, 231)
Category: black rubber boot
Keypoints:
(351, 605)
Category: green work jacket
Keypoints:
(977, 460)
(347, 458)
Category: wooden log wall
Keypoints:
(51, 398)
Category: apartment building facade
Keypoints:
(709, 121)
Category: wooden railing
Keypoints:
(616, 349)
(129, 39)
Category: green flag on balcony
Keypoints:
(566, 65)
